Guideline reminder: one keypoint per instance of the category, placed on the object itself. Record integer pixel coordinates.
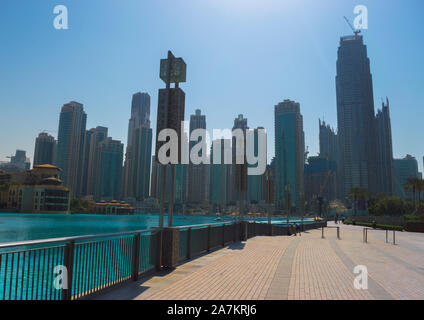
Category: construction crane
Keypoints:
(355, 31)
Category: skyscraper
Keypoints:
(108, 179)
(239, 171)
(255, 183)
(140, 114)
(45, 149)
(327, 141)
(90, 169)
(385, 167)
(220, 174)
(196, 172)
(357, 165)
(138, 164)
(289, 155)
(136, 178)
(404, 169)
(70, 144)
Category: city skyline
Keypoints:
(101, 112)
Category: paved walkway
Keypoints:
(302, 267)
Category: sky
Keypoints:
(243, 57)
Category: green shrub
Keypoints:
(379, 226)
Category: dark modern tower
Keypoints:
(385, 167)
(355, 117)
(196, 172)
(327, 142)
(255, 183)
(70, 144)
(140, 114)
(136, 177)
(239, 171)
(45, 149)
(289, 155)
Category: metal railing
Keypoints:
(365, 235)
(74, 267)
(196, 239)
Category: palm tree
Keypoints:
(414, 184)
(420, 188)
(356, 194)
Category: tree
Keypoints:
(357, 194)
(415, 185)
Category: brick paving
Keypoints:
(295, 268)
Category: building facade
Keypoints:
(70, 144)
(357, 165)
(109, 177)
(289, 156)
(45, 149)
(90, 168)
(196, 172)
(404, 169)
(136, 174)
(385, 166)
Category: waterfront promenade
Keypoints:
(301, 267)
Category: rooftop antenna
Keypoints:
(350, 25)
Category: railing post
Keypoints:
(158, 262)
(69, 263)
(223, 235)
(135, 257)
(208, 246)
(189, 243)
(235, 232)
(322, 232)
(387, 235)
(394, 236)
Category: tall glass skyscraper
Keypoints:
(355, 117)
(108, 179)
(136, 178)
(289, 155)
(196, 172)
(385, 167)
(72, 124)
(45, 149)
(90, 169)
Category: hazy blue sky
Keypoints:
(243, 56)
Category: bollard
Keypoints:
(394, 236)
(338, 233)
(387, 235)
(322, 235)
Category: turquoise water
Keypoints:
(20, 227)
(28, 273)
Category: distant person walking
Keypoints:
(336, 218)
